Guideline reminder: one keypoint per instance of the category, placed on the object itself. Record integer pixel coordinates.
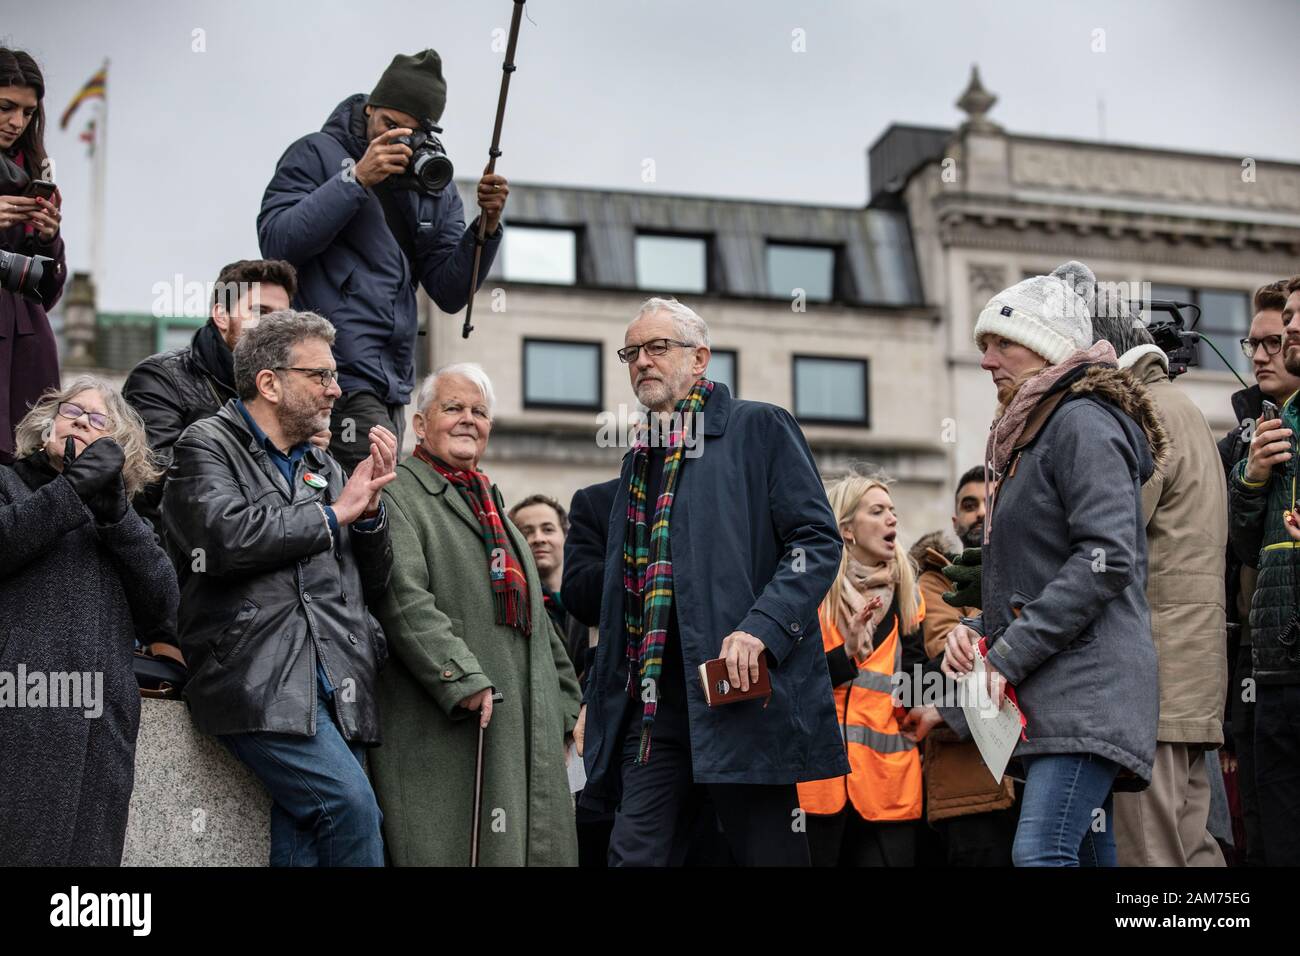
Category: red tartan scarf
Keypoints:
(509, 583)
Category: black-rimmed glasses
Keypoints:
(327, 376)
(1272, 345)
(655, 347)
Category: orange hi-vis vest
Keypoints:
(885, 782)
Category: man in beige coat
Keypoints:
(1185, 504)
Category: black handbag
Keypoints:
(160, 671)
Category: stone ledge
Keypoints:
(194, 804)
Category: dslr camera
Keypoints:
(429, 170)
(33, 277)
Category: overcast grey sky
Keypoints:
(711, 90)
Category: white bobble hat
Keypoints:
(1051, 315)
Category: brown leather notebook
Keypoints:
(719, 690)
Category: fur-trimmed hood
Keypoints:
(1122, 389)
(1065, 571)
(1119, 390)
(920, 552)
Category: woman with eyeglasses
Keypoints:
(80, 574)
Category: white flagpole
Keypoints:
(98, 191)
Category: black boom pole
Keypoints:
(506, 69)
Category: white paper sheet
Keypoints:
(577, 770)
(995, 731)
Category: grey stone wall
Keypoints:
(194, 804)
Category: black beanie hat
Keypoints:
(413, 84)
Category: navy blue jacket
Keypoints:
(754, 548)
(584, 550)
(351, 269)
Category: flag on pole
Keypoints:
(88, 137)
(96, 87)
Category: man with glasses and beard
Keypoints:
(1263, 346)
(1262, 504)
(732, 563)
(278, 556)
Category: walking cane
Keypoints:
(506, 69)
(478, 787)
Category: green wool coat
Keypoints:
(445, 645)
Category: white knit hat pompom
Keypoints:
(1050, 315)
(1079, 277)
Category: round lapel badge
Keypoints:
(315, 480)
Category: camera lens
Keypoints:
(32, 277)
(431, 168)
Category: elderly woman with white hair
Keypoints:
(81, 574)
(465, 620)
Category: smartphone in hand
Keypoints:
(1268, 411)
(40, 189)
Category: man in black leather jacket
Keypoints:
(278, 557)
(172, 390)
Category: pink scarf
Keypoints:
(1007, 428)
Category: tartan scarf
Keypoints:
(647, 564)
(509, 583)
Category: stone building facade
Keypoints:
(988, 208)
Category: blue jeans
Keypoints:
(1058, 822)
(324, 811)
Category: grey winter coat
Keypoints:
(73, 594)
(1065, 571)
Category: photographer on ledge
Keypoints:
(29, 226)
(364, 210)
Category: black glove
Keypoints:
(109, 503)
(966, 575)
(97, 466)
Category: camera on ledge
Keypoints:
(429, 170)
(33, 277)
